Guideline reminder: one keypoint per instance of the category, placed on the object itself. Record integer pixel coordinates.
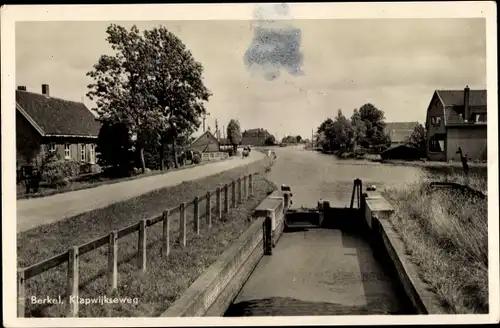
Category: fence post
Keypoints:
(245, 190)
(21, 296)
(208, 215)
(182, 223)
(113, 260)
(250, 184)
(286, 197)
(218, 204)
(233, 191)
(239, 190)
(73, 260)
(226, 198)
(142, 246)
(166, 233)
(268, 236)
(196, 215)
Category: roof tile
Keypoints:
(57, 116)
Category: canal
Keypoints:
(321, 271)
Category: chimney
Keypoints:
(21, 88)
(466, 103)
(45, 90)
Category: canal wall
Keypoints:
(212, 293)
(390, 250)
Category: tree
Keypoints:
(418, 138)
(359, 128)
(234, 133)
(298, 139)
(325, 134)
(374, 127)
(270, 141)
(342, 134)
(152, 84)
(115, 147)
(325, 125)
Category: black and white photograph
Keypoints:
(255, 164)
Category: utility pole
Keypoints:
(217, 133)
(204, 118)
(312, 138)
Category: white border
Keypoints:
(12, 14)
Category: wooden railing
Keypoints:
(241, 189)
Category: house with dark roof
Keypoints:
(399, 132)
(205, 143)
(457, 118)
(45, 124)
(254, 137)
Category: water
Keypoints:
(323, 271)
(313, 176)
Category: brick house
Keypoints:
(45, 124)
(254, 137)
(399, 132)
(457, 118)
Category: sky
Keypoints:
(286, 76)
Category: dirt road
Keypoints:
(37, 211)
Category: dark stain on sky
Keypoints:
(275, 48)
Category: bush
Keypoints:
(90, 168)
(60, 171)
(196, 157)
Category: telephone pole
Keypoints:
(217, 132)
(312, 138)
(204, 117)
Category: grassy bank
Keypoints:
(166, 278)
(446, 235)
(91, 181)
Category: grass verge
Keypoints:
(93, 181)
(446, 235)
(166, 278)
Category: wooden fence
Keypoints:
(241, 189)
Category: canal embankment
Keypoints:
(314, 272)
(380, 271)
(445, 233)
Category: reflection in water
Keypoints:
(286, 306)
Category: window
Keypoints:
(82, 153)
(480, 117)
(67, 151)
(92, 154)
(435, 121)
(436, 143)
(52, 147)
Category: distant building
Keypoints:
(457, 118)
(45, 124)
(224, 144)
(254, 137)
(206, 143)
(399, 132)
